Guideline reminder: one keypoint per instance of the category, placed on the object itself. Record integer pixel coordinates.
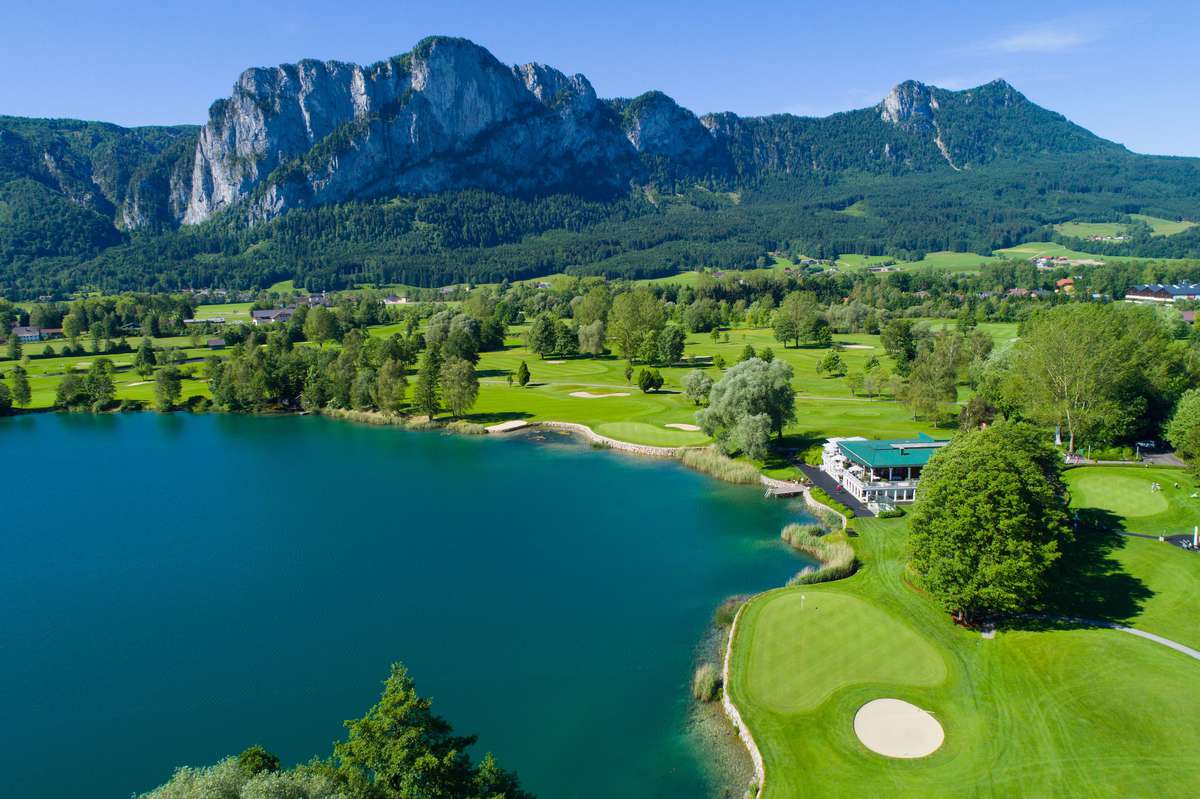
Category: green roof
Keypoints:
(895, 452)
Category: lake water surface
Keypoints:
(176, 588)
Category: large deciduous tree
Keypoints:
(796, 317)
(634, 314)
(460, 386)
(1099, 371)
(990, 516)
(751, 388)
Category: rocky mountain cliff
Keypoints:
(449, 116)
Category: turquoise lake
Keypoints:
(176, 588)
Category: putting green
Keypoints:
(1125, 492)
(1127, 495)
(807, 645)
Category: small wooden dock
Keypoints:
(779, 491)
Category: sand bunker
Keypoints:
(554, 362)
(896, 728)
(858, 346)
(590, 395)
(139, 383)
(691, 428)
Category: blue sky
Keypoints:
(1126, 71)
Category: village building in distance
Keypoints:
(1163, 292)
(879, 473)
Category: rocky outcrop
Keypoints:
(446, 116)
(909, 105)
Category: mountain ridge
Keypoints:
(448, 117)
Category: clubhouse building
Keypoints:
(879, 473)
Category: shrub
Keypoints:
(834, 553)
(463, 427)
(710, 461)
(813, 455)
(894, 513)
(706, 683)
(820, 495)
(727, 611)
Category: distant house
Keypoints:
(212, 320)
(1163, 292)
(392, 299)
(271, 316)
(1019, 292)
(51, 332)
(1066, 285)
(215, 343)
(877, 472)
(313, 300)
(27, 334)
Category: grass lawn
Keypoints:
(939, 261)
(1037, 249)
(1065, 712)
(229, 310)
(1164, 227)
(1085, 230)
(824, 405)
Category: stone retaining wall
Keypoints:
(731, 711)
(611, 443)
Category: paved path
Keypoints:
(1112, 625)
(827, 484)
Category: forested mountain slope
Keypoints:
(444, 165)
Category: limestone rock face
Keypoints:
(910, 104)
(446, 116)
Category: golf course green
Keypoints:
(1068, 711)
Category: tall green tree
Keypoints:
(426, 396)
(400, 749)
(391, 386)
(990, 517)
(144, 359)
(6, 400)
(21, 392)
(167, 388)
(14, 347)
(1098, 371)
(541, 338)
(634, 314)
(99, 384)
(320, 325)
(795, 317)
(523, 374)
(1183, 430)
(460, 385)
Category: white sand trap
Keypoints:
(896, 728)
(590, 395)
(554, 362)
(691, 428)
(858, 346)
(504, 427)
(139, 383)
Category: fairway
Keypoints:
(1076, 712)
